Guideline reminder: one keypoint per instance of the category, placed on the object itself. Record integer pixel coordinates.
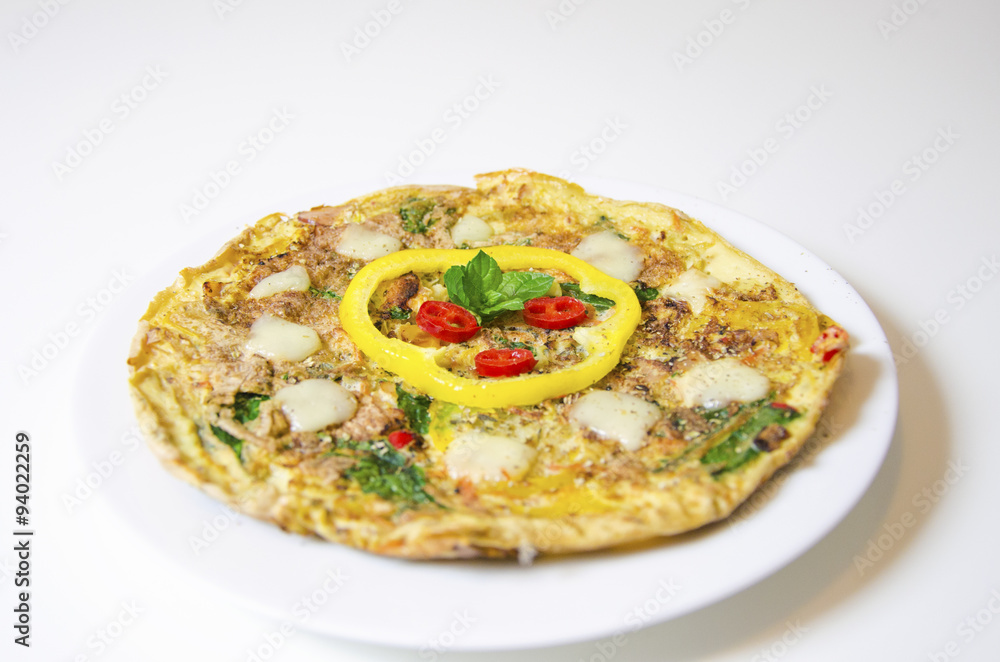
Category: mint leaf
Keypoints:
(486, 291)
(454, 281)
(600, 304)
(524, 285)
(483, 272)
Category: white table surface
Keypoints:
(115, 115)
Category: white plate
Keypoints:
(491, 605)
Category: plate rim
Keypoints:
(709, 213)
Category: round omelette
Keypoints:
(448, 372)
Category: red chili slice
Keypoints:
(554, 312)
(504, 362)
(830, 343)
(446, 321)
(400, 438)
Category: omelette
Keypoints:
(434, 372)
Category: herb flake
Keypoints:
(414, 214)
(324, 294)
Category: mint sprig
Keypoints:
(487, 292)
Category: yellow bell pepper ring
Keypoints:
(602, 343)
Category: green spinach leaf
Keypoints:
(385, 471)
(246, 406)
(229, 440)
(600, 304)
(416, 408)
(737, 448)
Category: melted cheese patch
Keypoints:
(275, 338)
(714, 384)
(470, 229)
(611, 254)
(362, 243)
(488, 457)
(619, 416)
(313, 404)
(292, 279)
(694, 287)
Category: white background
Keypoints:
(675, 95)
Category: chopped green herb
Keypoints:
(246, 406)
(324, 294)
(398, 313)
(414, 212)
(229, 440)
(646, 293)
(386, 472)
(737, 448)
(513, 344)
(416, 408)
(487, 292)
(599, 303)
